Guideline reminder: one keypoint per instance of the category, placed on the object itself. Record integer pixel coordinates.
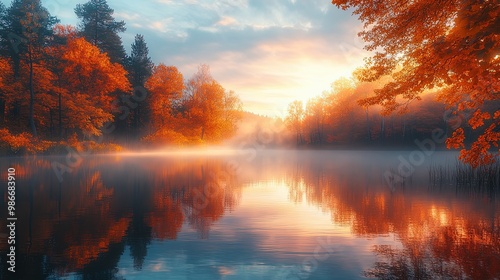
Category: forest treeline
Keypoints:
(338, 117)
(61, 84)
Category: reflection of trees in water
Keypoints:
(441, 239)
(412, 262)
(84, 224)
(448, 254)
(62, 227)
(211, 192)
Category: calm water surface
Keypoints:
(269, 215)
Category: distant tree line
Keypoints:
(339, 117)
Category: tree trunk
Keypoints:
(404, 129)
(368, 126)
(60, 118)
(392, 128)
(382, 130)
(51, 116)
(2, 110)
(32, 94)
(319, 131)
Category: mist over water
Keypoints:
(221, 213)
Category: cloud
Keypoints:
(227, 21)
(161, 25)
(128, 16)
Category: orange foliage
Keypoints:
(66, 31)
(165, 85)
(213, 112)
(295, 117)
(208, 113)
(4, 68)
(22, 143)
(165, 135)
(89, 79)
(206, 107)
(88, 71)
(451, 45)
(16, 94)
(16, 142)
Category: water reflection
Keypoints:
(232, 216)
(84, 223)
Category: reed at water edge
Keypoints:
(464, 175)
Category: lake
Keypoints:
(264, 214)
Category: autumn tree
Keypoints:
(449, 45)
(315, 118)
(89, 80)
(4, 67)
(58, 91)
(165, 84)
(212, 111)
(295, 118)
(29, 30)
(101, 29)
(4, 70)
(204, 109)
(231, 114)
(344, 112)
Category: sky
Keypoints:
(270, 52)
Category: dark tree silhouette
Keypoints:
(99, 27)
(139, 67)
(28, 26)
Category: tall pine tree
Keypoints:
(3, 54)
(3, 30)
(139, 64)
(99, 27)
(29, 30)
(140, 68)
